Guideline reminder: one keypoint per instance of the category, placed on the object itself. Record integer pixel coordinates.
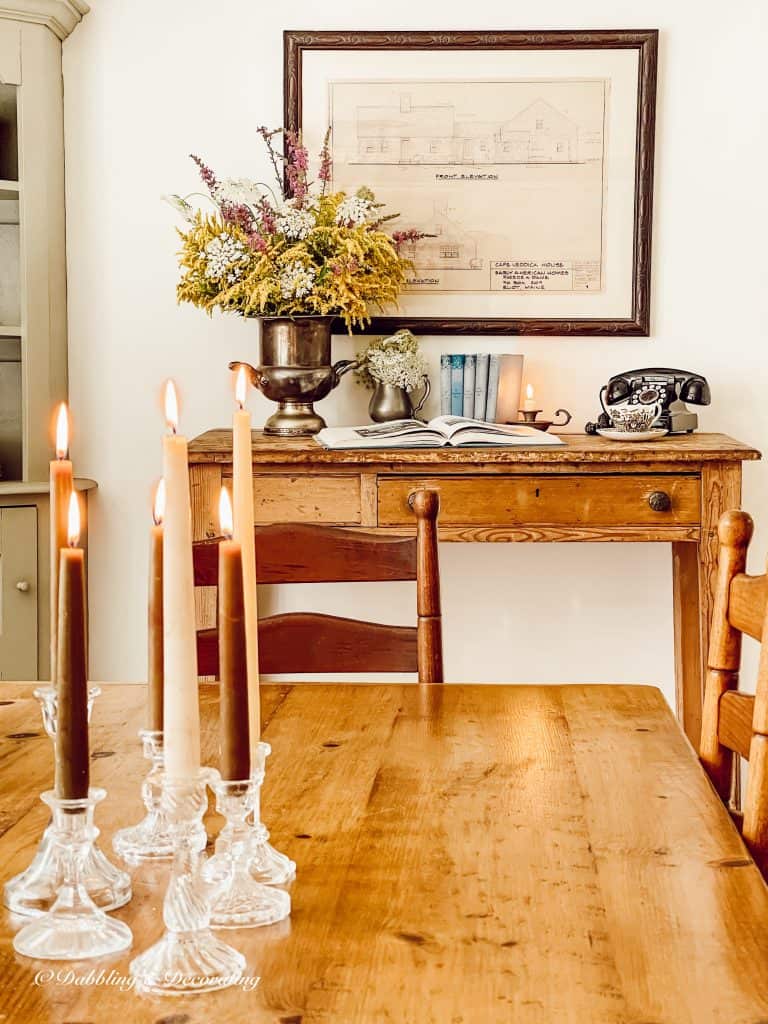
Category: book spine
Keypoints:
(493, 389)
(457, 385)
(468, 408)
(481, 385)
(445, 385)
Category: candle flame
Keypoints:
(241, 387)
(73, 520)
(158, 508)
(171, 406)
(62, 431)
(529, 391)
(225, 514)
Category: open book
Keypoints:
(456, 431)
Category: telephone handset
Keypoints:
(670, 388)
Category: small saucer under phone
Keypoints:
(633, 435)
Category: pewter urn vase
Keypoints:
(295, 370)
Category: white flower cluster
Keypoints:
(401, 369)
(296, 224)
(224, 256)
(238, 191)
(296, 280)
(354, 211)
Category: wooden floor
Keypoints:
(466, 855)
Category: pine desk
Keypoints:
(672, 491)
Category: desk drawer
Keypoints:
(334, 500)
(475, 500)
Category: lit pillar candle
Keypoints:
(61, 491)
(242, 489)
(155, 613)
(71, 766)
(529, 403)
(233, 671)
(181, 711)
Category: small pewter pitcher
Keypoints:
(295, 371)
(390, 402)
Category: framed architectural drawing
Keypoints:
(526, 156)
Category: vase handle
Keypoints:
(344, 366)
(254, 374)
(427, 388)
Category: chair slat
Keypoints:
(302, 553)
(734, 727)
(747, 604)
(307, 642)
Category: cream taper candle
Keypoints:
(155, 671)
(181, 711)
(242, 492)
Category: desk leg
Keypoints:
(689, 667)
(694, 581)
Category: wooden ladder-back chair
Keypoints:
(308, 642)
(734, 722)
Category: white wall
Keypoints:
(146, 83)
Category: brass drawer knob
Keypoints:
(660, 501)
(23, 586)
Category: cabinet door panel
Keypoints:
(18, 593)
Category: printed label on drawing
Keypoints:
(544, 275)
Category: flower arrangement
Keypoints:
(297, 249)
(395, 360)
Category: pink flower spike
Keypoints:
(209, 178)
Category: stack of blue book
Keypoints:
(469, 386)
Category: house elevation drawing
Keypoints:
(412, 134)
(506, 177)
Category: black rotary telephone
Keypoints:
(670, 388)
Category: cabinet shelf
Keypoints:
(10, 331)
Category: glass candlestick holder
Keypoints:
(266, 864)
(34, 891)
(238, 900)
(151, 839)
(189, 957)
(74, 928)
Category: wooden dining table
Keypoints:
(465, 855)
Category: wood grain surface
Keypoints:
(466, 855)
(216, 446)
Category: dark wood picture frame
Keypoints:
(295, 43)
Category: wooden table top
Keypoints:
(473, 854)
(216, 446)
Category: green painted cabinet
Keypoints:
(18, 593)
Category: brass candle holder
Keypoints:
(529, 419)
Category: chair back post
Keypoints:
(426, 505)
(734, 533)
(755, 827)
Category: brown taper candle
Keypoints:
(72, 775)
(61, 489)
(155, 674)
(233, 665)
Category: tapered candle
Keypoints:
(155, 612)
(242, 489)
(71, 767)
(181, 712)
(61, 490)
(233, 670)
